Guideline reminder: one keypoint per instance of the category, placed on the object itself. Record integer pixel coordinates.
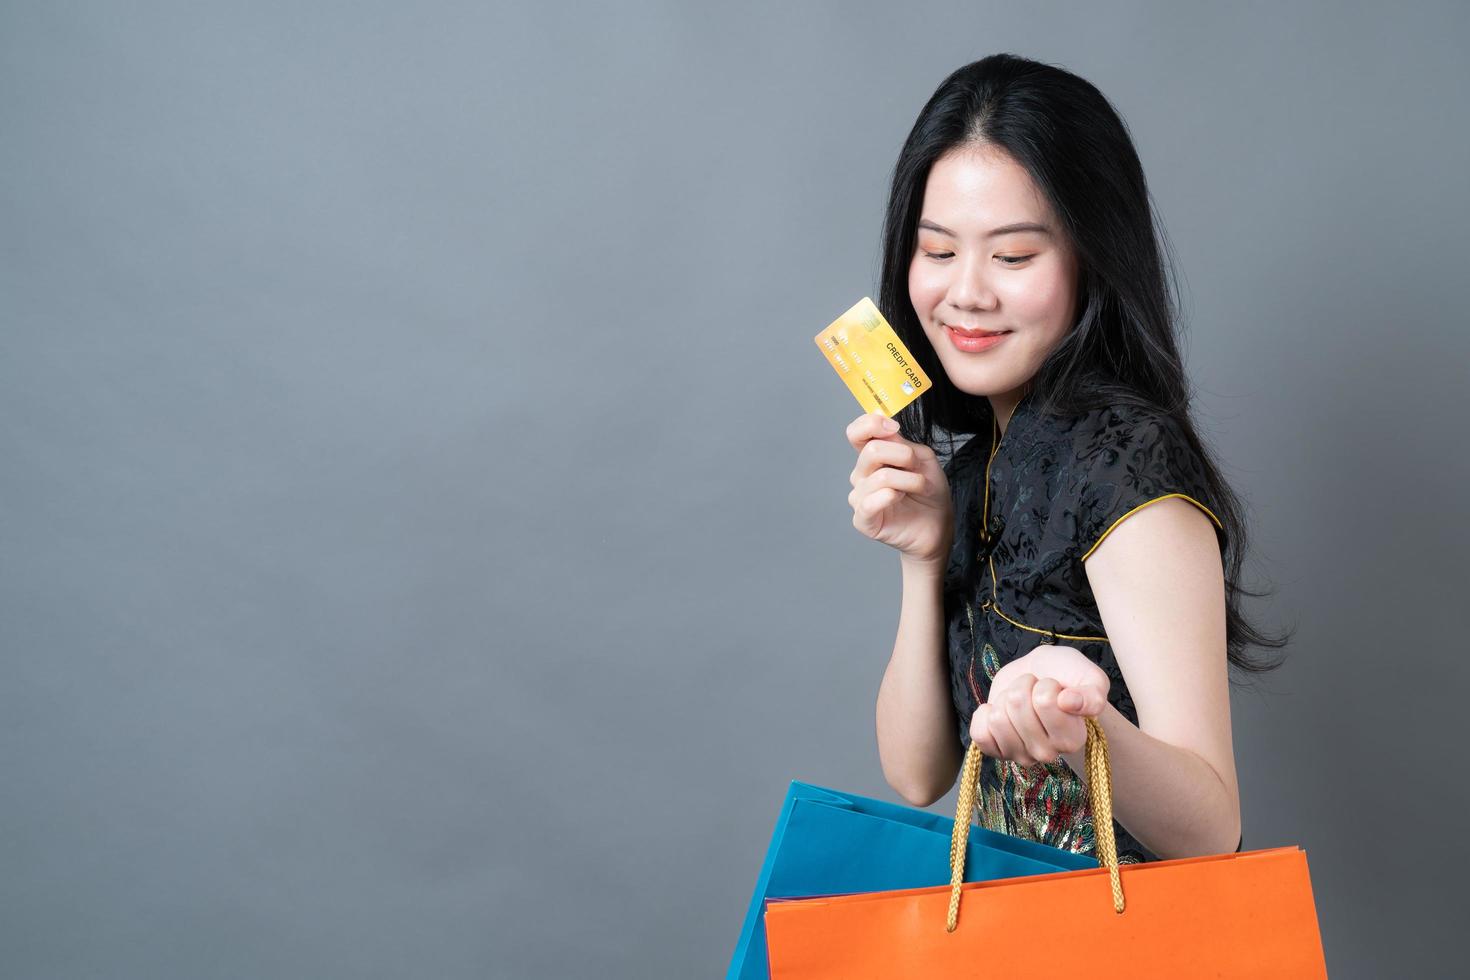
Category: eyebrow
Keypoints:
(994, 232)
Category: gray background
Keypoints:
(425, 539)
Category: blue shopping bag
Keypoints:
(832, 843)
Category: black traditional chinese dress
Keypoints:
(1030, 506)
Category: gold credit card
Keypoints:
(871, 360)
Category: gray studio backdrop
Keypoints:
(425, 540)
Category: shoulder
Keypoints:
(1103, 433)
(1121, 458)
(1118, 441)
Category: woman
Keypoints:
(1079, 555)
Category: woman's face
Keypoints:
(969, 271)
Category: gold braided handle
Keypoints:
(1099, 792)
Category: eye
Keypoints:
(1005, 259)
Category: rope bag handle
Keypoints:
(1099, 793)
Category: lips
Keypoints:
(975, 331)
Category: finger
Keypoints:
(1082, 699)
(860, 499)
(869, 425)
(875, 503)
(1064, 731)
(894, 452)
(1008, 742)
(980, 732)
(1028, 726)
(905, 480)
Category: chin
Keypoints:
(981, 383)
(980, 389)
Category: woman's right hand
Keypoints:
(900, 495)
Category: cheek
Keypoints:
(1042, 297)
(926, 287)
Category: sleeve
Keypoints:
(1129, 463)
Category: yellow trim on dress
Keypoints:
(1182, 496)
(992, 604)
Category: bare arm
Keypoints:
(1159, 586)
(901, 497)
(918, 741)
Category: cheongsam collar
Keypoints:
(1019, 429)
(1009, 452)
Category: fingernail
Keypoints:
(889, 425)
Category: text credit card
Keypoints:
(871, 360)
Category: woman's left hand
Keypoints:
(1037, 705)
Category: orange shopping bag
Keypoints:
(1247, 914)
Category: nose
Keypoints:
(970, 287)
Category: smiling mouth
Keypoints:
(975, 333)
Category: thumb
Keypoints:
(1082, 700)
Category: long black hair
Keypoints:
(1123, 348)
